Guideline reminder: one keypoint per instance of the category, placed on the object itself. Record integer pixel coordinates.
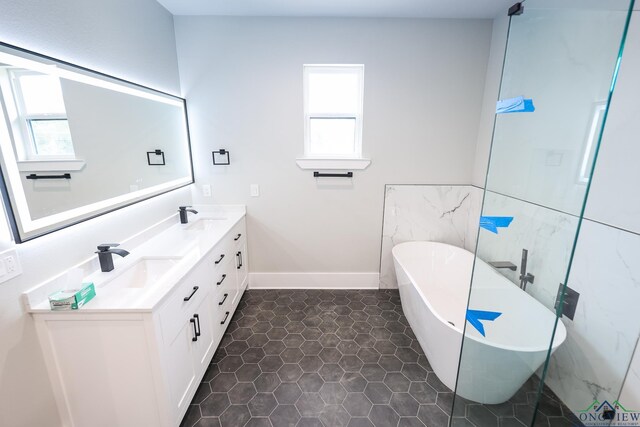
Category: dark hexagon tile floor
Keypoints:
(338, 358)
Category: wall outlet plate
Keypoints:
(9, 265)
(206, 190)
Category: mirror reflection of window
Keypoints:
(42, 116)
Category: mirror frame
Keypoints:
(6, 192)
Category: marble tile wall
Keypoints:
(593, 361)
(606, 269)
(547, 234)
(442, 213)
(630, 394)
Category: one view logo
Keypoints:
(608, 414)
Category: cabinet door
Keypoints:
(181, 373)
(203, 346)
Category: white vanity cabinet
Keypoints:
(121, 368)
(187, 332)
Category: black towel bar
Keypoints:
(63, 176)
(333, 175)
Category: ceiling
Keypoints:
(342, 8)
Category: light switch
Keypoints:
(255, 190)
(206, 190)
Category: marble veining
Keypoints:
(441, 213)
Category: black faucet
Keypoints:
(503, 264)
(524, 276)
(105, 255)
(183, 214)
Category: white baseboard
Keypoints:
(314, 280)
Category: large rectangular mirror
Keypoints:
(76, 143)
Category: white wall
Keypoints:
(491, 92)
(424, 81)
(132, 40)
(125, 39)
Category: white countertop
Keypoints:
(177, 241)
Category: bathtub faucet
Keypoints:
(524, 276)
(503, 264)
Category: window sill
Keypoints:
(72, 165)
(333, 164)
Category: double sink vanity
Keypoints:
(135, 354)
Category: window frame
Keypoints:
(357, 69)
(22, 120)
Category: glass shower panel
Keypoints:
(560, 62)
(561, 55)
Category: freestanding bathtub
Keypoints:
(434, 280)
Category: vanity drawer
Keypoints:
(222, 276)
(224, 281)
(223, 312)
(185, 299)
(220, 255)
(239, 234)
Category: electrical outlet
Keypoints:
(9, 265)
(206, 190)
(255, 190)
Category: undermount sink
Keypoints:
(205, 224)
(145, 272)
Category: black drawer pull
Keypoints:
(223, 299)
(195, 331)
(239, 257)
(224, 276)
(238, 237)
(221, 257)
(195, 289)
(225, 318)
(198, 321)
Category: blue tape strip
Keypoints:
(515, 105)
(492, 223)
(475, 317)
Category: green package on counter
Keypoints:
(72, 299)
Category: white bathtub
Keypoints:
(434, 280)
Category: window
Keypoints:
(333, 97)
(41, 116)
